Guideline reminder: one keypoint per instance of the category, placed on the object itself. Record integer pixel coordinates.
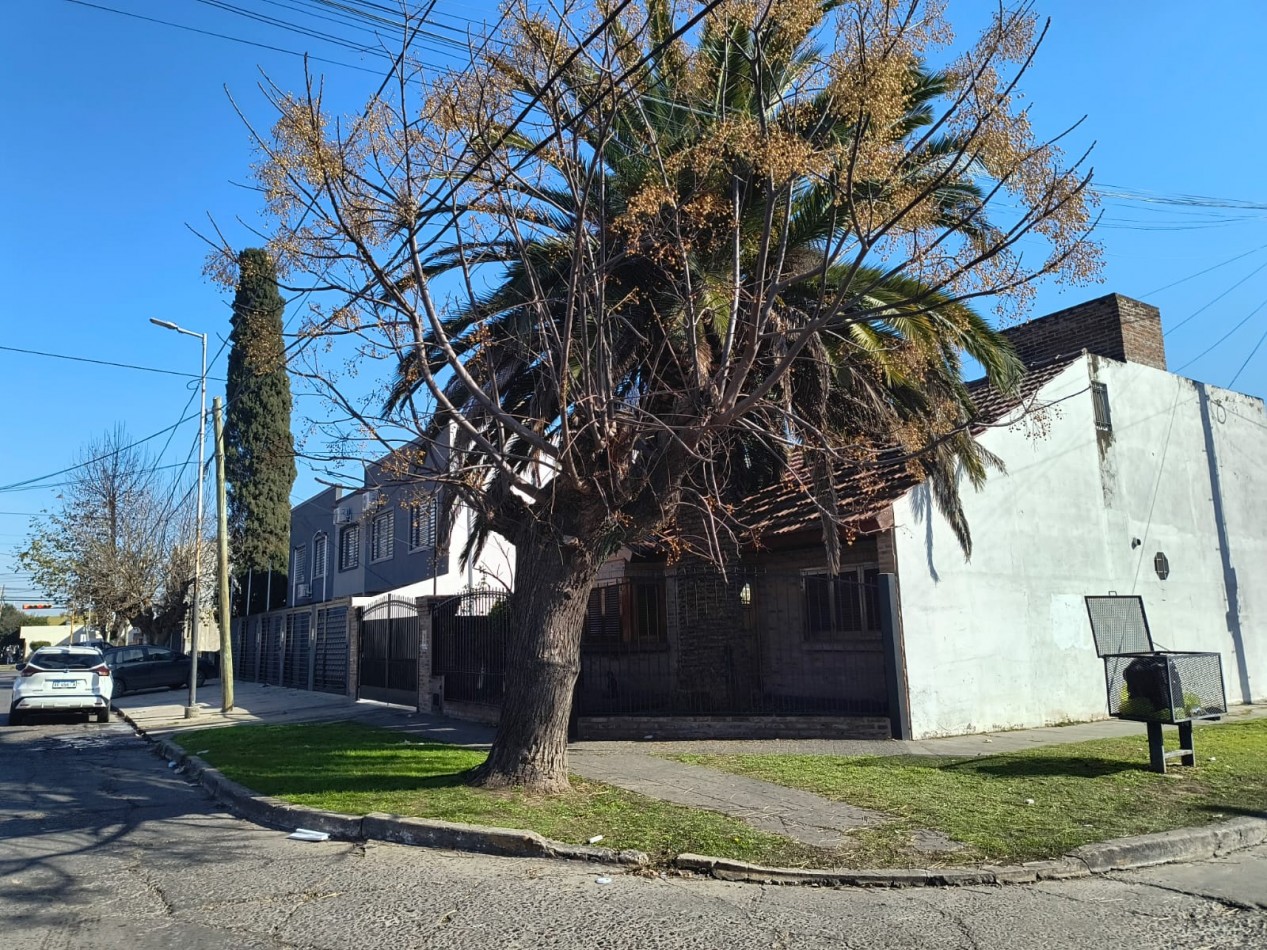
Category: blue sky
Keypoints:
(120, 136)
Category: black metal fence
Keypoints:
(745, 644)
(693, 644)
(470, 633)
(303, 647)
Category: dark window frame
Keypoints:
(349, 547)
(631, 615)
(842, 608)
(382, 540)
(320, 554)
(1100, 407)
(299, 563)
(422, 524)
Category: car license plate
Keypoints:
(65, 684)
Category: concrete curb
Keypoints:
(1121, 854)
(275, 813)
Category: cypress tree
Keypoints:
(259, 449)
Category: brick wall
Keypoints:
(1113, 326)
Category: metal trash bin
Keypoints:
(1153, 686)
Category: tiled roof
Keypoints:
(864, 495)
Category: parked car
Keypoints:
(62, 679)
(149, 667)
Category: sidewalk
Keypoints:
(160, 713)
(635, 766)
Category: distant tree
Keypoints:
(12, 620)
(113, 542)
(258, 446)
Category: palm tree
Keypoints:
(884, 358)
(686, 308)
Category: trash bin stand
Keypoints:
(1157, 754)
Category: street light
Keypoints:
(191, 708)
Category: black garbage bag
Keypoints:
(1155, 680)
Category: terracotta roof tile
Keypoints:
(866, 494)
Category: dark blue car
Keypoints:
(149, 667)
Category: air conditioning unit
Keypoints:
(302, 591)
(343, 516)
(371, 499)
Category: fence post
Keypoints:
(424, 654)
(260, 625)
(283, 646)
(894, 658)
(354, 650)
(312, 649)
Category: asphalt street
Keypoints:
(103, 846)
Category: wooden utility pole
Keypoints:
(222, 571)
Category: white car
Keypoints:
(62, 679)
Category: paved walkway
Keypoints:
(638, 766)
(795, 814)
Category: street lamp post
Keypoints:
(191, 708)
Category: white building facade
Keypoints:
(1121, 477)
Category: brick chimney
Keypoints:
(1113, 326)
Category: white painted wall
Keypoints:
(494, 567)
(1003, 640)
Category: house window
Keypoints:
(382, 530)
(350, 547)
(299, 565)
(319, 556)
(844, 607)
(628, 615)
(1100, 400)
(422, 524)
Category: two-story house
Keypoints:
(383, 538)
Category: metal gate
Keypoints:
(389, 652)
(330, 664)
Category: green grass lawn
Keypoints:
(1083, 792)
(356, 769)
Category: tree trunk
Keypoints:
(552, 587)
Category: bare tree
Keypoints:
(629, 263)
(119, 544)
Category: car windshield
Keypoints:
(65, 661)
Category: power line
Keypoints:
(1185, 201)
(1221, 340)
(291, 28)
(32, 482)
(223, 36)
(86, 359)
(1202, 273)
(1207, 306)
(1247, 359)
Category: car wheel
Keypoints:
(120, 686)
(202, 679)
(103, 715)
(15, 717)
